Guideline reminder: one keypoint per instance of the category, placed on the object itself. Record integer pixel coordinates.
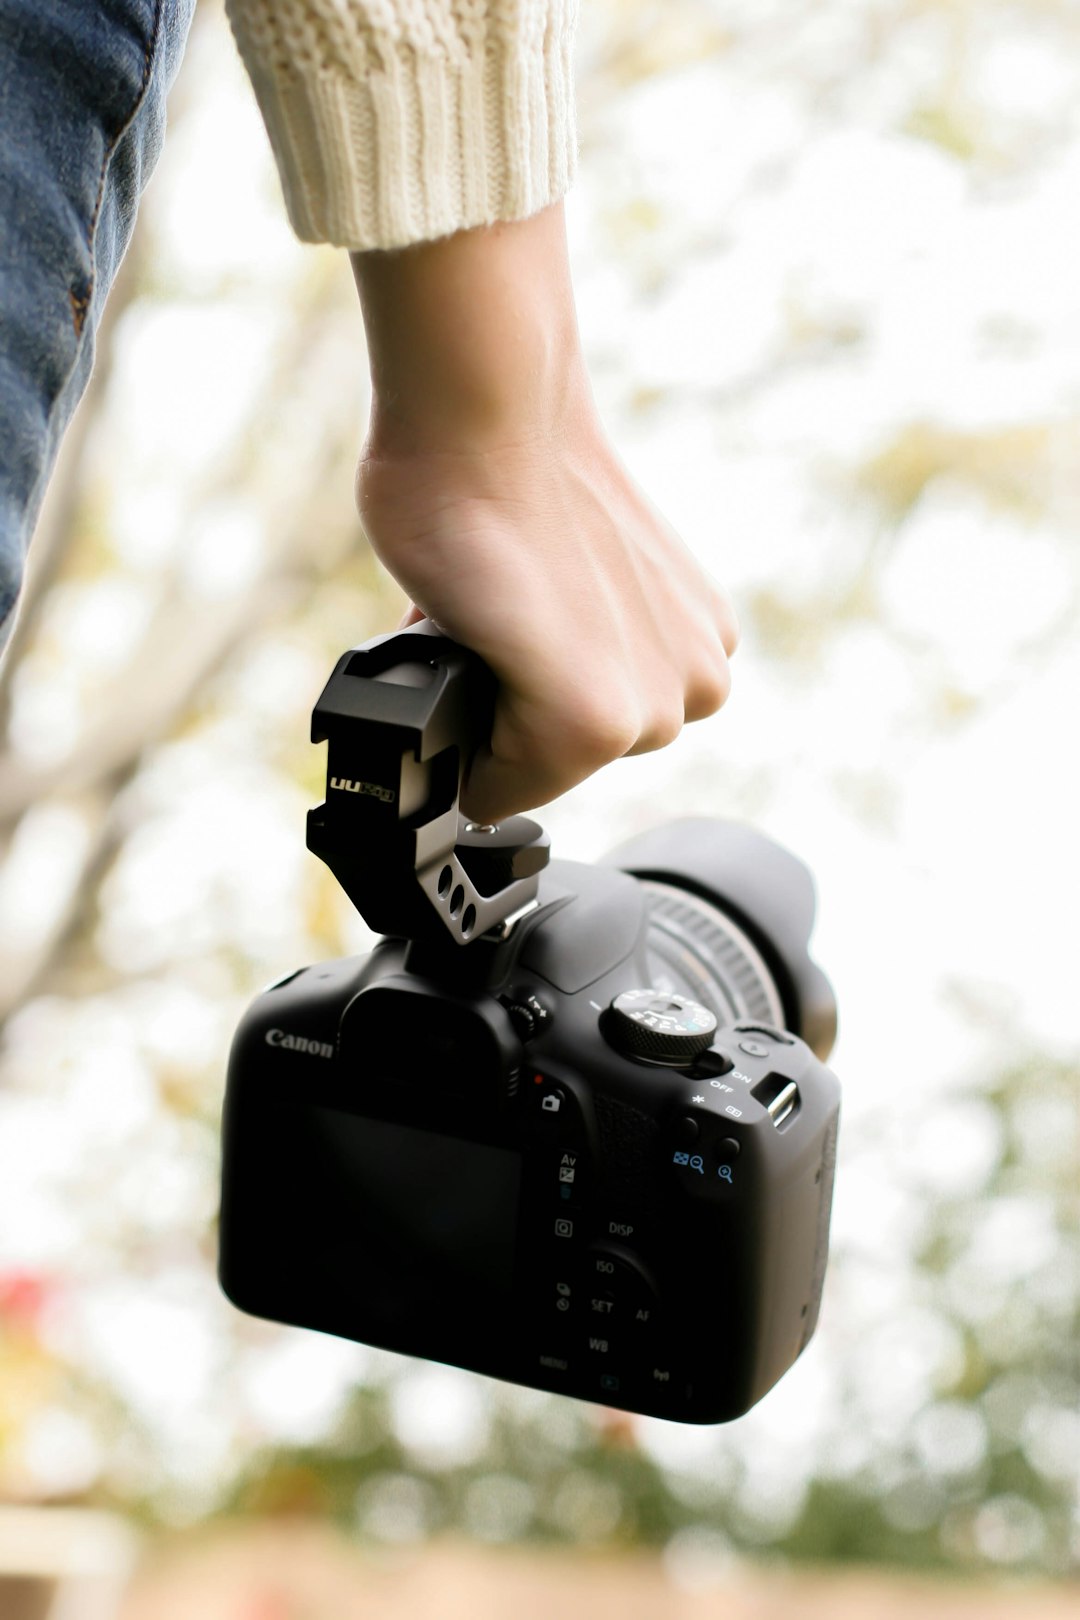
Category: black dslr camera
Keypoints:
(565, 1125)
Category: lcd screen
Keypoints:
(424, 1224)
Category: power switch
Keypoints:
(779, 1097)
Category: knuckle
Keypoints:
(708, 691)
(597, 733)
(666, 726)
(726, 620)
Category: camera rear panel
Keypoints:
(601, 1240)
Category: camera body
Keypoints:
(586, 1146)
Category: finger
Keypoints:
(726, 619)
(412, 615)
(539, 752)
(696, 695)
(661, 730)
(494, 789)
(708, 690)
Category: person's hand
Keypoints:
(489, 490)
(543, 557)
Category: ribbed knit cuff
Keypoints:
(421, 146)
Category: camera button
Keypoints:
(767, 1030)
(727, 1149)
(754, 1049)
(688, 1129)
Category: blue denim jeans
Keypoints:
(82, 117)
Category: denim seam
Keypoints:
(80, 300)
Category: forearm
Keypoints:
(489, 490)
(473, 339)
(435, 141)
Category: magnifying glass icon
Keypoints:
(698, 1163)
(724, 1173)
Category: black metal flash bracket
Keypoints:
(404, 716)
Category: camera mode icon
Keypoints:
(551, 1103)
(564, 1228)
(693, 1161)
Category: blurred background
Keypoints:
(828, 261)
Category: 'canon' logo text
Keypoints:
(298, 1043)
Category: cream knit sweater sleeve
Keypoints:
(396, 121)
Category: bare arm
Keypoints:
(490, 491)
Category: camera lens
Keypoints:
(693, 949)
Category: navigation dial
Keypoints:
(659, 1027)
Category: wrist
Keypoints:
(473, 339)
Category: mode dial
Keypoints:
(658, 1027)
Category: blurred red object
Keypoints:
(24, 1296)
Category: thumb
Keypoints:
(539, 749)
(412, 615)
(494, 788)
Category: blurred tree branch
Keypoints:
(188, 637)
(307, 527)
